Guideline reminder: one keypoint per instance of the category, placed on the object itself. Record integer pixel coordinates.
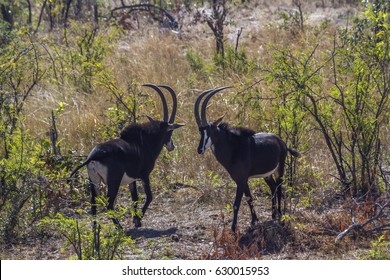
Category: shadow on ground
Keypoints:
(150, 233)
(268, 237)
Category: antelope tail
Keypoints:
(294, 152)
(78, 167)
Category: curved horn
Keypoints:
(164, 101)
(199, 122)
(206, 100)
(174, 102)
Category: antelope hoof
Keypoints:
(137, 222)
(117, 224)
(254, 222)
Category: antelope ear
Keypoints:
(150, 118)
(219, 120)
(175, 126)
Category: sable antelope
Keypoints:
(244, 154)
(131, 157)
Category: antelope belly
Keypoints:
(126, 180)
(264, 175)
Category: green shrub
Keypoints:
(104, 242)
(380, 249)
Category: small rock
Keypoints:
(175, 237)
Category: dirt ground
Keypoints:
(186, 223)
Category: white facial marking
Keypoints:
(170, 146)
(206, 141)
(265, 174)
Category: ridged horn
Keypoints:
(174, 102)
(164, 101)
(206, 100)
(196, 108)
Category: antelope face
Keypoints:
(205, 127)
(205, 139)
(168, 142)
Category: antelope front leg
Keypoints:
(236, 206)
(149, 196)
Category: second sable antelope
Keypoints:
(131, 157)
(244, 154)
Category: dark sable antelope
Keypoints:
(131, 157)
(244, 154)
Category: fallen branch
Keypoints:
(358, 226)
(152, 9)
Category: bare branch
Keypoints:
(358, 226)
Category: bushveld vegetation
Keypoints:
(70, 76)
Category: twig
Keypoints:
(238, 38)
(251, 86)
